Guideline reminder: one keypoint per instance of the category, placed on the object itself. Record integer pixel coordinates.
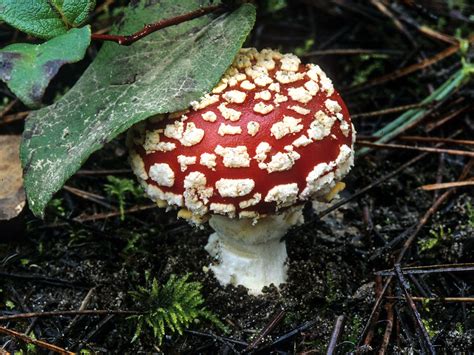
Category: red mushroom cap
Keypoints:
(272, 134)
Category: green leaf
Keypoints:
(161, 73)
(27, 69)
(74, 12)
(45, 18)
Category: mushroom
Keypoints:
(270, 136)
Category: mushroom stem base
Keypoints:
(250, 253)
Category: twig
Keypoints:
(433, 125)
(286, 337)
(99, 216)
(350, 51)
(266, 330)
(383, 9)
(412, 306)
(8, 107)
(98, 312)
(89, 196)
(430, 269)
(217, 337)
(336, 334)
(42, 344)
(104, 172)
(378, 292)
(407, 70)
(437, 140)
(424, 139)
(388, 329)
(43, 279)
(388, 111)
(419, 149)
(374, 311)
(14, 117)
(85, 302)
(429, 32)
(150, 28)
(447, 185)
(437, 299)
(93, 332)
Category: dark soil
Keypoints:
(52, 264)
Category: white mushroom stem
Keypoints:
(250, 253)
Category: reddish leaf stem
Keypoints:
(153, 27)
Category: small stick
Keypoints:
(285, 337)
(150, 28)
(99, 216)
(42, 344)
(447, 185)
(8, 107)
(374, 312)
(388, 330)
(464, 153)
(378, 292)
(14, 117)
(266, 330)
(437, 140)
(89, 196)
(431, 126)
(437, 299)
(104, 172)
(383, 9)
(336, 334)
(388, 111)
(93, 312)
(430, 269)
(85, 302)
(92, 333)
(217, 337)
(415, 313)
(437, 35)
(43, 279)
(350, 51)
(424, 139)
(407, 70)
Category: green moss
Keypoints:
(171, 307)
